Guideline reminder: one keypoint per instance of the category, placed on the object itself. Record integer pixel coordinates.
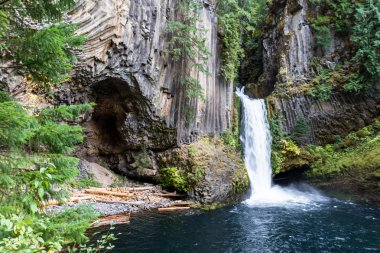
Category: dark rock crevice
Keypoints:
(290, 176)
(123, 133)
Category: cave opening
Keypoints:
(107, 126)
(111, 98)
(124, 132)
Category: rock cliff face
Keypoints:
(125, 68)
(127, 48)
(290, 50)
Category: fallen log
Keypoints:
(147, 188)
(104, 192)
(124, 189)
(112, 201)
(71, 200)
(173, 208)
(183, 203)
(170, 195)
(113, 219)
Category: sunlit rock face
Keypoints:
(125, 68)
(128, 41)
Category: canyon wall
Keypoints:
(128, 49)
(139, 119)
(290, 58)
(127, 70)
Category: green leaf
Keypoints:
(33, 207)
(41, 193)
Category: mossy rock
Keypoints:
(213, 171)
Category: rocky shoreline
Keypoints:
(136, 199)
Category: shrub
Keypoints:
(301, 131)
(321, 26)
(321, 91)
(172, 179)
(366, 37)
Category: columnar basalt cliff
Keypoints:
(291, 56)
(128, 44)
(126, 68)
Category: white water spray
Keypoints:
(257, 152)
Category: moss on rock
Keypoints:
(171, 178)
(213, 171)
(350, 167)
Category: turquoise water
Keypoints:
(328, 226)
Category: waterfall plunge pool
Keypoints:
(318, 226)
(273, 219)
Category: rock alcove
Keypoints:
(123, 132)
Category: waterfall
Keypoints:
(256, 140)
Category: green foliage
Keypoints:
(38, 10)
(284, 150)
(358, 21)
(277, 160)
(321, 91)
(323, 85)
(277, 135)
(16, 126)
(193, 88)
(83, 183)
(356, 84)
(171, 178)
(240, 22)
(230, 138)
(46, 52)
(275, 127)
(57, 138)
(366, 37)
(34, 162)
(361, 160)
(64, 112)
(241, 184)
(188, 44)
(357, 153)
(70, 224)
(35, 149)
(289, 148)
(4, 97)
(321, 26)
(36, 234)
(301, 131)
(336, 15)
(22, 233)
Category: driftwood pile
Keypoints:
(128, 195)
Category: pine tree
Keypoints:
(32, 36)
